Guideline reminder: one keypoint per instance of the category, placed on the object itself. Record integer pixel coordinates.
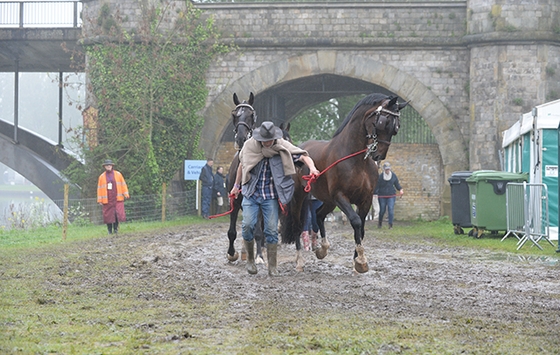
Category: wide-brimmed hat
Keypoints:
(108, 162)
(267, 132)
(386, 166)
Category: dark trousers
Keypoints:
(206, 200)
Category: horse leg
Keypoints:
(322, 213)
(360, 261)
(232, 255)
(300, 261)
(259, 238)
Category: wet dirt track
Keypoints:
(405, 280)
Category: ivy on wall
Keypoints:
(148, 83)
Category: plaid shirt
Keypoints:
(265, 186)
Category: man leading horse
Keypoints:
(264, 175)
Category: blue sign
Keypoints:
(193, 169)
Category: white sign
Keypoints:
(193, 169)
(551, 171)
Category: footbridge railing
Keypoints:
(34, 14)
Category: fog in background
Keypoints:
(38, 112)
(39, 104)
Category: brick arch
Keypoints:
(452, 147)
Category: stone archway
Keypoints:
(452, 146)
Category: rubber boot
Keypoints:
(379, 223)
(271, 252)
(250, 247)
(314, 243)
(306, 242)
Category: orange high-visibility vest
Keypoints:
(122, 189)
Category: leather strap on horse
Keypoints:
(312, 178)
(231, 197)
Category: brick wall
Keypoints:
(419, 168)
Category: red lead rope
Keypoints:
(231, 197)
(310, 180)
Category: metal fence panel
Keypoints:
(527, 213)
(137, 208)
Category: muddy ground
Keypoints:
(405, 280)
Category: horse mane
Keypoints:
(370, 100)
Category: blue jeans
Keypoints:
(310, 221)
(206, 200)
(389, 204)
(269, 209)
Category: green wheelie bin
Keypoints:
(487, 190)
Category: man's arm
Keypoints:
(310, 164)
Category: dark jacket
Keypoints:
(219, 186)
(386, 188)
(206, 176)
(284, 184)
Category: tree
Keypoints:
(148, 84)
(322, 120)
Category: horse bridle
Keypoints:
(372, 147)
(243, 123)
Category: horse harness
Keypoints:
(243, 123)
(380, 122)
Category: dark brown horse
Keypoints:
(366, 132)
(244, 118)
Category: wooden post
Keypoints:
(65, 213)
(163, 193)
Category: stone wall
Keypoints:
(477, 65)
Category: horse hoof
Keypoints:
(361, 267)
(322, 252)
(233, 257)
(259, 260)
(360, 262)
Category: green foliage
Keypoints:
(322, 120)
(149, 84)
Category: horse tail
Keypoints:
(291, 224)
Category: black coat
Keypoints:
(219, 186)
(206, 176)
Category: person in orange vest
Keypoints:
(111, 192)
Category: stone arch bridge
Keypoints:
(469, 67)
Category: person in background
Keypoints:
(111, 192)
(219, 189)
(265, 177)
(310, 226)
(207, 179)
(375, 203)
(387, 189)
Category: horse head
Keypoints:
(286, 132)
(244, 118)
(381, 124)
